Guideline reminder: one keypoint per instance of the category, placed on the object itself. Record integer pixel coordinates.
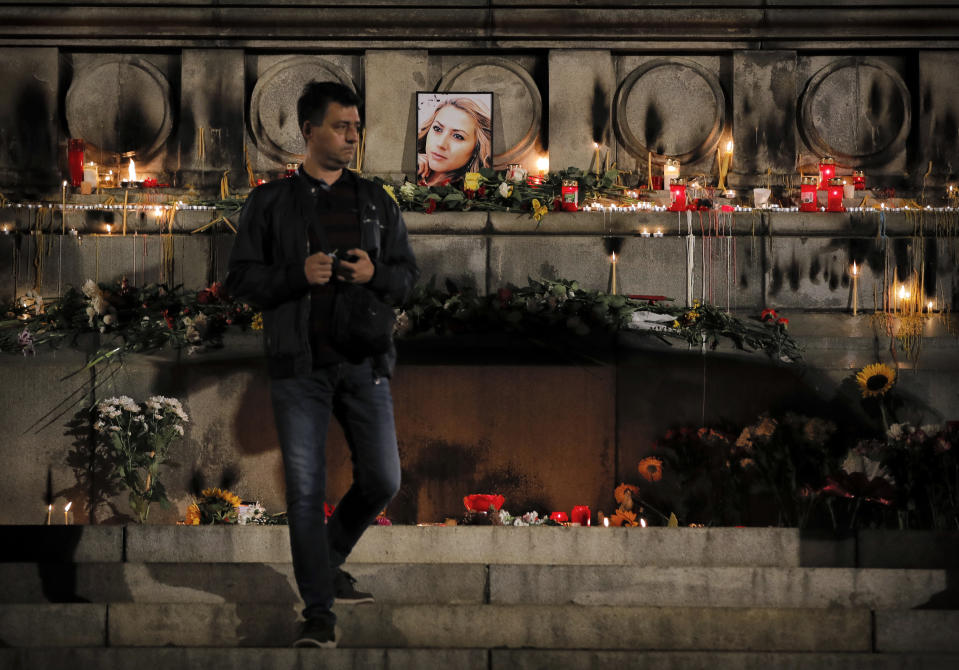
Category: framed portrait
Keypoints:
(454, 135)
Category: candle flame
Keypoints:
(542, 164)
(729, 147)
(596, 145)
(158, 211)
(642, 522)
(613, 257)
(109, 229)
(606, 522)
(855, 270)
(929, 305)
(49, 508)
(903, 293)
(67, 508)
(132, 171)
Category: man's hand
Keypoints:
(359, 271)
(318, 268)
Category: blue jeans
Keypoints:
(302, 406)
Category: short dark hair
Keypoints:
(317, 96)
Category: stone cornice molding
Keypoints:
(658, 24)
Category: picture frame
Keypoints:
(454, 135)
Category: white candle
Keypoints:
(49, 513)
(66, 512)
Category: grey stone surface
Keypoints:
(582, 115)
(640, 628)
(76, 543)
(392, 78)
(31, 153)
(231, 582)
(715, 587)
(59, 625)
(212, 106)
(913, 549)
(200, 544)
(917, 631)
(521, 659)
(169, 658)
(460, 258)
(485, 626)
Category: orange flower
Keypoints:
(621, 490)
(623, 518)
(651, 469)
(193, 515)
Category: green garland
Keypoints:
(130, 319)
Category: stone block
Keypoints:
(908, 549)
(633, 628)
(61, 544)
(31, 156)
(202, 544)
(230, 582)
(171, 658)
(581, 546)
(53, 625)
(714, 587)
(539, 659)
(461, 259)
(393, 77)
(581, 116)
(927, 631)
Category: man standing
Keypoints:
(307, 249)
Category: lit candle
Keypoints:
(612, 260)
(595, 162)
(670, 172)
(649, 172)
(109, 229)
(66, 512)
(929, 307)
(677, 196)
(49, 513)
(834, 196)
(570, 192)
(542, 165)
(644, 232)
(827, 170)
(855, 288)
(642, 521)
(658, 233)
(605, 522)
(580, 516)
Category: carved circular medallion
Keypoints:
(856, 109)
(672, 107)
(517, 104)
(120, 104)
(272, 110)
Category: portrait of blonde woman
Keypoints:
(454, 136)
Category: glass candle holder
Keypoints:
(515, 173)
(827, 170)
(570, 195)
(580, 515)
(807, 194)
(290, 169)
(75, 148)
(670, 172)
(834, 193)
(677, 196)
(859, 180)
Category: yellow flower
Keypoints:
(471, 182)
(875, 380)
(623, 518)
(389, 189)
(538, 210)
(222, 495)
(257, 322)
(193, 515)
(675, 324)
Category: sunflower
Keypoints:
(225, 496)
(875, 380)
(651, 469)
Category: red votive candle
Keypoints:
(834, 196)
(535, 180)
(290, 169)
(570, 195)
(580, 515)
(677, 195)
(75, 148)
(859, 180)
(657, 180)
(559, 517)
(807, 194)
(827, 170)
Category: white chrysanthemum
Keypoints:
(408, 190)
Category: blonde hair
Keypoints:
(483, 150)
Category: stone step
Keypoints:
(454, 584)
(487, 626)
(489, 545)
(230, 582)
(158, 658)
(458, 659)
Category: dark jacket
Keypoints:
(266, 264)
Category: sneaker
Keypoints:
(346, 593)
(317, 633)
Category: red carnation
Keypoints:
(768, 314)
(782, 321)
(430, 206)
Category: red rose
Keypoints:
(784, 322)
(430, 206)
(768, 314)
